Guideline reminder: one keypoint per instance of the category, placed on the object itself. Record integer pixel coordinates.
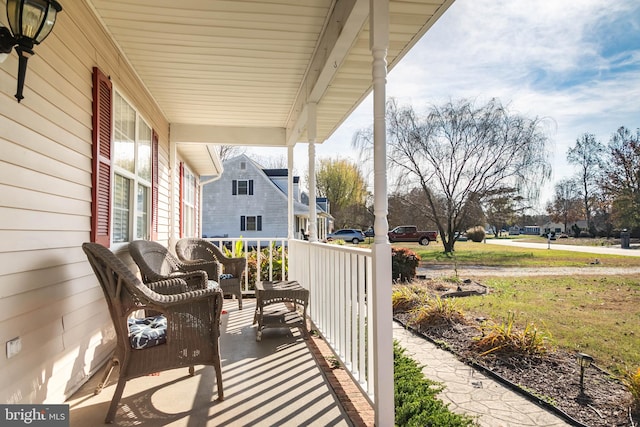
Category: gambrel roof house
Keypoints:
(250, 201)
(122, 103)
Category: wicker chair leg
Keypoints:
(107, 372)
(115, 400)
(240, 301)
(218, 369)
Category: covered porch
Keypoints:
(167, 82)
(280, 380)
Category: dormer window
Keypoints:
(243, 165)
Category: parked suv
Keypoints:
(348, 235)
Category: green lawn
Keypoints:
(596, 314)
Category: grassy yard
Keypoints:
(597, 314)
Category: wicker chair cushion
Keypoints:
(226, 276)
(147, 332)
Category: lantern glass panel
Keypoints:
(31, 19)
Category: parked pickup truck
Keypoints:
(410, 233)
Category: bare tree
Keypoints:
(566, 206)
(458, 151)
(622, 177)
(273, 162)
(587, 156)
(226, 152)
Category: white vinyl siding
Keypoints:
(51, 298)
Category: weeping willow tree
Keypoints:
(343, 184)
(459, 155)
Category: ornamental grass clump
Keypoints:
(632, 382)
(404, 298)
(506, 339)
(437, 312)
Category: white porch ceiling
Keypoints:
(242, 71)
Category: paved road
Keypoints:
(612, 250)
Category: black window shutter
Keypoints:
(251, 187)
(234, 187)
(242, 223)
(259, 222)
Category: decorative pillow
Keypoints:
(147, 332)
(226, 276)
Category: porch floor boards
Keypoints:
(273, 382)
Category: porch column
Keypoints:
(311, 133)
(382, 319)
(290, 215)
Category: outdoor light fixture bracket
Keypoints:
(31, 21)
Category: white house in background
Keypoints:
(251, 201)
(552, 227)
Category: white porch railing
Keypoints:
(270, 249)
(339, 279)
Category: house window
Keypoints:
(188, 202)
(131, 173)
(242, 187)
(251, 223)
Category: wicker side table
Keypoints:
(269, 293)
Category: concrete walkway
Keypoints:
(471, 392)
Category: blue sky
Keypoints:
(574, 62)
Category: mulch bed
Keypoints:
(552, 379)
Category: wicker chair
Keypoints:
(157, 263)
(190, 315)
(198, 250)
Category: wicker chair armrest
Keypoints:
(169, 286)
(193, 264)
(163, 302)
(198, 279)
(199, 265)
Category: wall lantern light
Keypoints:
(31, 21)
